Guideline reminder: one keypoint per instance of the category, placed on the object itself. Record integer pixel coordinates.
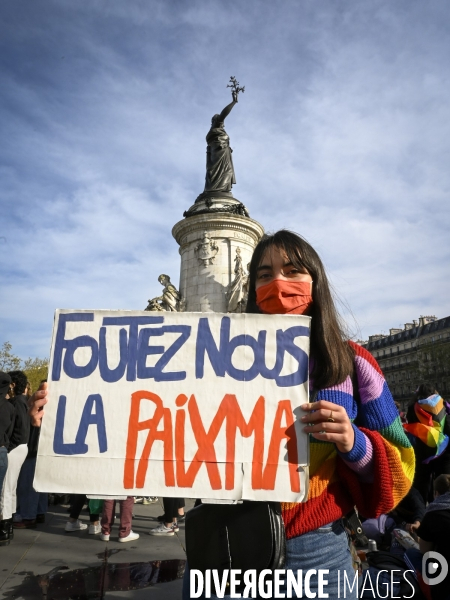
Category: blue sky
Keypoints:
(342, 135)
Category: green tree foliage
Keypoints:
(36, 369)
(8, 361)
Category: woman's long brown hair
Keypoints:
(332, 355)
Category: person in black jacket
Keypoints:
(7, 414)
(18, 446)
(410, 511)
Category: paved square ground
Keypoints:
(81, 566)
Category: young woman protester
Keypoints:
(359, 453)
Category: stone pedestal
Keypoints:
(209, 236)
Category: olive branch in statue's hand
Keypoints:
(235, 89)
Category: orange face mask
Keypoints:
(281, 297)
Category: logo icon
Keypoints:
(434, 568)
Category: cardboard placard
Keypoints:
(200, 405)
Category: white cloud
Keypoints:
(342, 134)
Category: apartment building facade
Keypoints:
(418, 352)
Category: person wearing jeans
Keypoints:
(359, 454)
(3, 464)
(31, 505)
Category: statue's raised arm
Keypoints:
(219, 164)
(226, 111)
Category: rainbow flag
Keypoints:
(429, 429)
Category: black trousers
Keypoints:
(171, 506)
(78, 501)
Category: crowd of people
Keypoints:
(21, 507)
(18, 441)
(424, 512)
(394, 468)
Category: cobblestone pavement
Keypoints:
(48, 563)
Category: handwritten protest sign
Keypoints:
(176, 404)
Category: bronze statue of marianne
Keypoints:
(219, 163)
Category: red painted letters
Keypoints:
(228, 412)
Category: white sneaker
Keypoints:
(150, 500)
(75, 526)
(138, 499)
(130, 537)
(175, 527)
(95, 529)
(162, 530)
(104, 537)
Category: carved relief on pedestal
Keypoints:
(206, 250)
(237, 291)
(169, 301)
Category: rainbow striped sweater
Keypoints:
(375, 475)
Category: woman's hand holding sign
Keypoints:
(36, 405)
(329, 422)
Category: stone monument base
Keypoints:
(216, 237)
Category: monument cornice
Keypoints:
(210, 222)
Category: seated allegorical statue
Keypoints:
(169, 301)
